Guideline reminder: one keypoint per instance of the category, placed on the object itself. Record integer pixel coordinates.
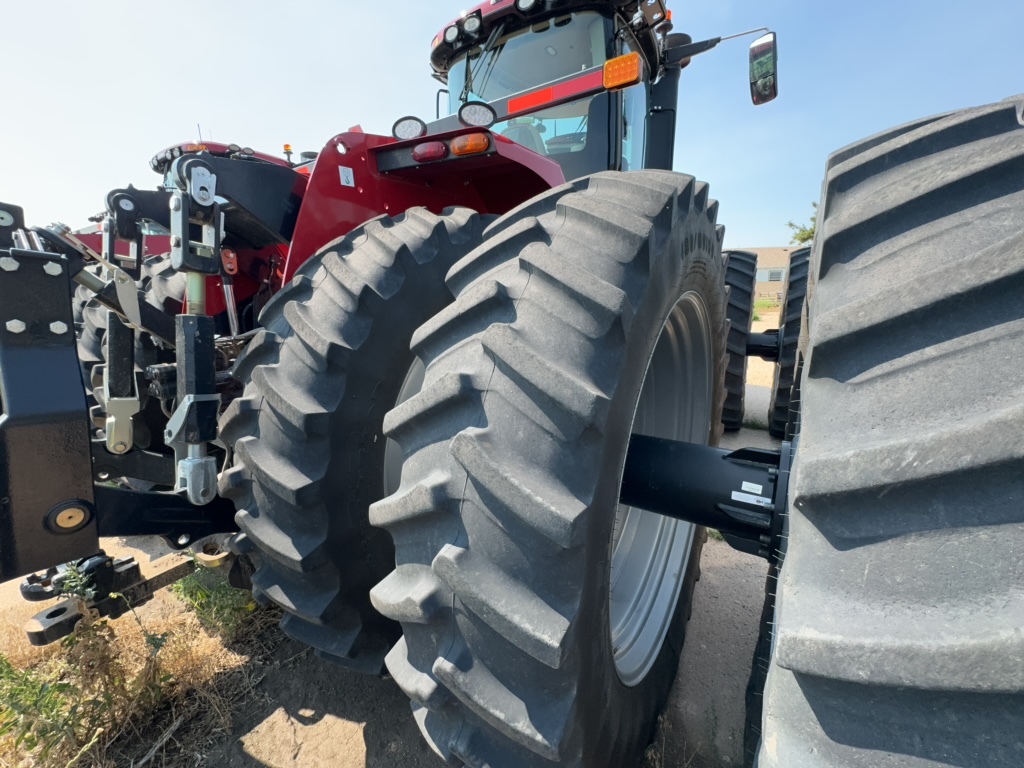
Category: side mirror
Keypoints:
(764, 60)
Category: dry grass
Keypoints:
(155, 689)
(657, 753)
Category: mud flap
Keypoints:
(47, 512)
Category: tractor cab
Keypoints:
(571, 85)
(592, 86)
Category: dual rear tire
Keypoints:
(530, 618)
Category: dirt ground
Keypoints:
(298, 711)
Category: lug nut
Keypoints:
(58, 328)
(7, 264)
(52, 268)
(16, 326)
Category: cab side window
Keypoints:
(635, 105)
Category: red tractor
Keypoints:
(456, 392)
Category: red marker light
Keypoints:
(431, 150)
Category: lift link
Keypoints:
(194, 422)
(120, 388)
(743, 494)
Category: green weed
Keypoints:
(219, 606)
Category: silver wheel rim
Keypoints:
(650, 553)
(393, 458)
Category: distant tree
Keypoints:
(804, 235)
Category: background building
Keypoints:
(772, 270)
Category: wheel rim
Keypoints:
(649, 552)
(393, 458)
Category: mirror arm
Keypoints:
(677, 55)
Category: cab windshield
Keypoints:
(521, 60)
(578, 134)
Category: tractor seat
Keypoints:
(525, 135)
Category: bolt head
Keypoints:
(53, 269)
(120, 447)
(176, 203)
(16, 326)
(58, 328)
(7, 264)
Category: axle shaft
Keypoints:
(740, 493)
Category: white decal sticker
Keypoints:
(348, 176)
(753, 488)
(746, 498)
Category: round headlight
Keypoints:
(409, 128)
(472, 25)
(451, 34)
(234, 148)
(477, 114)
(526, 5)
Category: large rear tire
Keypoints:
(741, 277)
(780, 416)
(898, 630)
(309, 453)
(542, 621)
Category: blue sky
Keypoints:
(92, 90)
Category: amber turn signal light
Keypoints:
(470, 144)
(623, 71)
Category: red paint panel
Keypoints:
(592, 81)
(545, 167)
(346, 189)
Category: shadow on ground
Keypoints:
(309, 712)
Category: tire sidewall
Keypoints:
(693, 269)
